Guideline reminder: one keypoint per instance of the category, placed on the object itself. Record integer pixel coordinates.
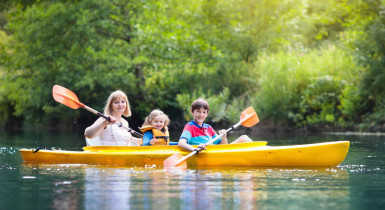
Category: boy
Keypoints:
(198, 133)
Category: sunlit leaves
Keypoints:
(305, 87)
(301, 62)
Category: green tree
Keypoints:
(365, 101)
(292, 60)
(82, 45)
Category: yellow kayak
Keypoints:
(246, 154)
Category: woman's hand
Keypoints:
(112, 120)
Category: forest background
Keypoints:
(302, 64)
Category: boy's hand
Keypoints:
(203, 146)
(223, 131)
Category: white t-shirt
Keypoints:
(113, 135)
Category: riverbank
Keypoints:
(265, 127)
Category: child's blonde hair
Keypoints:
(156, 113)
(114, 96)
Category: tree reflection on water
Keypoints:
(96, 187)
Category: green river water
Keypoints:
(358, 183)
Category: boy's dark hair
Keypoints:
(200, 103)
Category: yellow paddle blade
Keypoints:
(249, 117)
(172, 161)
(66, 97)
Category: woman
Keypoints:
(109, 132)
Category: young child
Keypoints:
(198, 133)
(154, 129)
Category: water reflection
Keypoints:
(93, 187)
(358, 183)
(56, 186)
(123, 188)
(107, 187)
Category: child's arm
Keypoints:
(147, 137)
(183, 144)
(224, 137)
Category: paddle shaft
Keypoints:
(210, 142)
(137, 134)
(80, 104)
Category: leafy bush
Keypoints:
(304, 87)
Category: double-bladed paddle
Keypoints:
(248, 118)
(69, 98)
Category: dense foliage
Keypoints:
(298, 63)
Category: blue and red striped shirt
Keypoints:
(195, 134)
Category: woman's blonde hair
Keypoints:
(153, 114)
(114, 96)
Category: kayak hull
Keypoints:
(255, 154)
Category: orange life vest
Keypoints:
(162, 138)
